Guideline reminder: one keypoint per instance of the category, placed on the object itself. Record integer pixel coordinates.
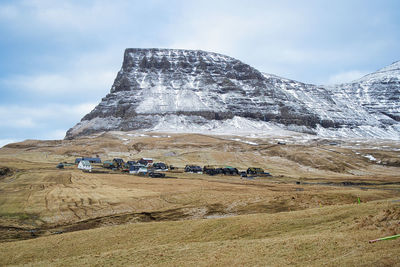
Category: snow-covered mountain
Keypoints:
(378, 93)
(190, 90)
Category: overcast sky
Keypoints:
(59, 58)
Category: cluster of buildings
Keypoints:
(134, 167)
(147, 166)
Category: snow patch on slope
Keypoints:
(363, 131)
(102, 124)
(236, 126)
(159, 99)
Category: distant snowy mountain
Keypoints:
(186, 90)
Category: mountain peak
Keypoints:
(395, 66)
(387, 73)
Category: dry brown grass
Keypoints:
(319, 236)
(312, 159)
(143, 221)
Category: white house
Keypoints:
(84, 165)
(137, 169)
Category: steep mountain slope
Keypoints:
(176, 90)
(197, 86)
(342, 110)
(378, 93)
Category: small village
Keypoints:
(199, 133)
(148, 167)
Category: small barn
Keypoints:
(85, 165)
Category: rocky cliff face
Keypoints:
(164, 89)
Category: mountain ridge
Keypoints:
(198, 87)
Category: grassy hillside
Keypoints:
(332, 235)
(305, 214)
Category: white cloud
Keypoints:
(347, 76)
(274, 37)
(231, 27)
(301, 41)
(62, 16)
(287, 37)
(34, 117)
(20, 122)
(86, 74)
(53, 84)
(50, 121)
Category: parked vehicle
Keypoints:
(60, 165)
(156, 174)
(253, 170)
(160, 166)
(108, 164)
